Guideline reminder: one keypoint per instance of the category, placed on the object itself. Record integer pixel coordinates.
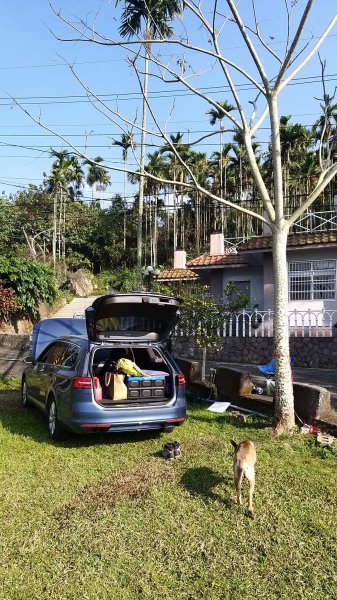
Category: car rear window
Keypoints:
(130, 323)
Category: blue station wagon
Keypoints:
(70, 359)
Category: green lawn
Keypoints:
(106, 518)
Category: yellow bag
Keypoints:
(128, 367)
(115, 386)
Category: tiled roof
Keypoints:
(173, 274)
(264, 242)
(205, 260)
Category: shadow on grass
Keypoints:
(200, 481)
(31, 423)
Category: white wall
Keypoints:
(312, 254)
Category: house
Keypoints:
(312, 266)
(180, 277)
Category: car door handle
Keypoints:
(40, 368)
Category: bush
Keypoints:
(8, 303)
(30, 282)
(121, 280)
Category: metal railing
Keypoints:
(255, 323)
(312, 221)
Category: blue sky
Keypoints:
(32, 69)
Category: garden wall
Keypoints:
(13, 349)
(308, 351)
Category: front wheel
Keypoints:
(24, 396)
(55, 429)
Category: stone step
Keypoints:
(75, 308)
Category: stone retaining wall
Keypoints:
(308, 352)
(13, 349)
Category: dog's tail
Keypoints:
(234, 444)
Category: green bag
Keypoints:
(129, 368)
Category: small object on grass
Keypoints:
(168, 451)
(237, 417)
(219, 407)
(171, 451)
(309, 429)
(325, 439)
(177, 449)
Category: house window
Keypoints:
(243, 287)
(312, 280)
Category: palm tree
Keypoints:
(65, 179)
(219, 164)
(296, 139)
(149, 19)
(97, 174)
(218, 114)
(126, 142)
(177, 172)
(158, 166)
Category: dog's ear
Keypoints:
(234, 444)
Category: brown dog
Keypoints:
(244, 466)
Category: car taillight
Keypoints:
(87, 383)
(82, 383)
(180, 379)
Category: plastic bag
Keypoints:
(115, 386)
(270, 387)
(129, 368)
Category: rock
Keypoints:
(237, 417)
(80, 283)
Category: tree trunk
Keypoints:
(54, 229)
(142, 163)
(203, 364)
(155, 228)
(284, 419)
(124, 210)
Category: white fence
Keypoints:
(310, 323)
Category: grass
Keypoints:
(9, 383)
(107, 518)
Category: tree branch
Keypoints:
(323, 181)
(284, 83)
(249, 44)
(294, 43)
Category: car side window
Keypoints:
(56, 354)
(46, 354)
(70, 356)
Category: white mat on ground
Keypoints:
(219, 407)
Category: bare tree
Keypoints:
(268, 73)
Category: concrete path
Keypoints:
(75, 308)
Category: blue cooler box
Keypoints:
(145, 387)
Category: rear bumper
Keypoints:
(86, 417)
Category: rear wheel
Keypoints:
(24, 397)
(55, 430)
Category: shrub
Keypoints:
(30, 282)
(8, 303)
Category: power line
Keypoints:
(155, 94)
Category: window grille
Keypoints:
(312, 280)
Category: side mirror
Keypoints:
(28, 360)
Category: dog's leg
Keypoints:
(238, 476)
(250, 475)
